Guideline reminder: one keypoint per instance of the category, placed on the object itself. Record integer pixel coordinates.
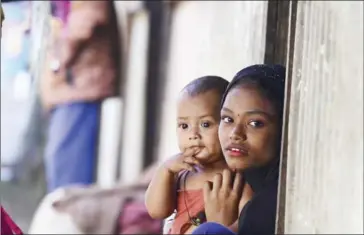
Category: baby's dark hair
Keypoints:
(205, 84)
(269, 80)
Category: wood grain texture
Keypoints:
(324, 188)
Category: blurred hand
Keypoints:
(222, 198)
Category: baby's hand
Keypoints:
(182, 161)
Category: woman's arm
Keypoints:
(160, 197)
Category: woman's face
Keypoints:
(249, 128)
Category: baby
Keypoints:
(178, 183)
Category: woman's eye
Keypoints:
(227, 119)
(183, 126)
(205, 124)
(256, 124)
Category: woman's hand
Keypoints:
(222, 198)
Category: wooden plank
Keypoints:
(281, 202)
(324, 187)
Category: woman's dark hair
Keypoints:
(269, 80)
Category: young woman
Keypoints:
(250, 136)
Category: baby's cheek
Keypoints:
(213, 143)
(182, 146)
(181, 141)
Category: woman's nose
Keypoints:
(238, 133)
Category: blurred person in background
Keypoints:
(81, 70)
(8, 226)
(2, 17)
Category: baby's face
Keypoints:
(198, 120)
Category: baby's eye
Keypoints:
(206, 124)
(256, 124)
(183, 126)
(227, 119)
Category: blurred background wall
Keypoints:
(202, 36)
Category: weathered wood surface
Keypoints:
(324, 188)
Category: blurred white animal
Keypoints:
(48, 220)
(90, 209)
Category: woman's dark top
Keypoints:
(258, 216)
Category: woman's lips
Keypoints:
(237, 152)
